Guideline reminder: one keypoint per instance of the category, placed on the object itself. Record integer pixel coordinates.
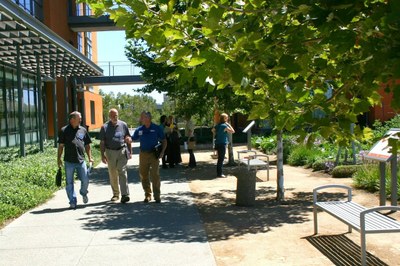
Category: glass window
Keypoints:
(9, 115)
(33, 7)
(80, 45)
(88, 48)
(92, 113)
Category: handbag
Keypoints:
(58, 177)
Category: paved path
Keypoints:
(105, 233)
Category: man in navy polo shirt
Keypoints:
(76, 140)
(149, 135)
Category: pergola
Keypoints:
(28, 45)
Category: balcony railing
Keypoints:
(118, 68)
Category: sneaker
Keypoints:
(114, 198)
(147, 199)
(125, 198)
(85, 199)
(72, 206)
(221, 176)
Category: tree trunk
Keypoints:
(279, 180)
(231, 158)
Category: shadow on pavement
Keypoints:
(223, 219)
(341, 250)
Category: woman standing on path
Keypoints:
(221, 131)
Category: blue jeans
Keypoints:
(69, 176)
(221, 150)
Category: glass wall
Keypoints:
(9, 125)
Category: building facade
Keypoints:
(41, 58)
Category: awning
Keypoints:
(35, 40)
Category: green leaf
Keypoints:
(194, 61)
(174, 34)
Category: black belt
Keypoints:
(115, 149)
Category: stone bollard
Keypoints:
(246, 187)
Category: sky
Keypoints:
(111, 48)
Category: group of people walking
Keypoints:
(116, 147)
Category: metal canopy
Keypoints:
(36, 41)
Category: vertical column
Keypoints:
(66, 98)
(54, 96)
(40, 107)
(21, 114)
(74, 95)
(83, 106)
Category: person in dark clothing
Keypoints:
(174, 147)
(75, 140)
(164, 127)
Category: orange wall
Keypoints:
(98, 107)
(56, 18)
(384, 111)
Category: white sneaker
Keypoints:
(85, 199)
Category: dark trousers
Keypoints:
(221, 150)
(192, 159)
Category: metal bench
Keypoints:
(364, 220)
(253, 161)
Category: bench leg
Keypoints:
(350, 229)
(363, 248)
(315, 221)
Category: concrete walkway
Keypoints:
(106, 233)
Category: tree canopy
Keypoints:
(280, 55)
(129, 107)
(188, 98)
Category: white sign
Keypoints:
(381, 151)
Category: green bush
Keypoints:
(303, 155)
(268, 145)
(343, 171)
(381, 128)
(319, 165)
(368, 177)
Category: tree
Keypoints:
(129, 107)
(278, 54)
(187, 97)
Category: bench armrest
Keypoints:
(315, 191)
(379, 208)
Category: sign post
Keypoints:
(248, 131)
(385, 151)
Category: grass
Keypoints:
(26, 182)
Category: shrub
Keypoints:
(368, 177)
(303, 155)
(269, 145)
(343, 171)
(319, 165)
(381, 128)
